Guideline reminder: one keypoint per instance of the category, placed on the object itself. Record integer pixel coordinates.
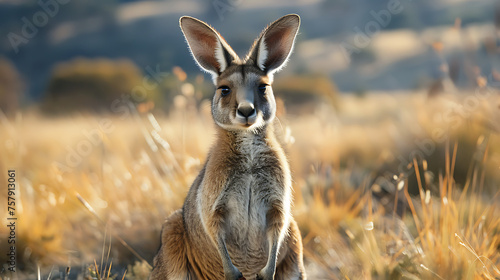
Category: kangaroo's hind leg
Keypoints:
(292, 264)
(171, 262)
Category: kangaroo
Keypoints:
(236, 221)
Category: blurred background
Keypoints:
(390, 111)
(358, 45)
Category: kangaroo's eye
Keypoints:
(263, 88)
(224, 90)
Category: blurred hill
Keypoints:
(36, 35)
(98, 85)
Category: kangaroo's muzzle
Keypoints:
(246, 114)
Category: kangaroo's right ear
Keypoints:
(271, 50)
(209, 49)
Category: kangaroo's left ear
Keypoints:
(209, 49)
(271, 50)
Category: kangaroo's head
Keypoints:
(244, 98)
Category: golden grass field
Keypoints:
(88, 184)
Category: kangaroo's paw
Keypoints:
(235, 275)
(240, 277)
(264, 277)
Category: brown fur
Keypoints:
(236, 220)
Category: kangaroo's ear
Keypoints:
(271, 50)
(209, 49)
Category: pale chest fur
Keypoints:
(257, 176)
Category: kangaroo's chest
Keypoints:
(250, 188)
(247, 206)
(247, 202)
(254, 184)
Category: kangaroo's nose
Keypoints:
(246, 109)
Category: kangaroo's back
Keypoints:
(236, 221)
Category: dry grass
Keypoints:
(361, 218)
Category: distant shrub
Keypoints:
(10, 87)
(94, 84)
(300, 89)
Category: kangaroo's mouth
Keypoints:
(247, 122)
